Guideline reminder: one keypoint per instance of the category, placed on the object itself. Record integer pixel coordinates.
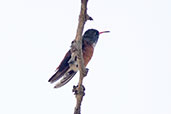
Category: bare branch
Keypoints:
(77, 45)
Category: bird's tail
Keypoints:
(66, 77)
(56, 76)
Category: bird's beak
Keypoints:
(104, 32)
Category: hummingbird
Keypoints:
(65, 72)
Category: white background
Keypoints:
(130, 72)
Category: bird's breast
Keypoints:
(87, 53)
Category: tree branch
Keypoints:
(76, 50)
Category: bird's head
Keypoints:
(92, 36)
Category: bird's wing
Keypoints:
(62, 68)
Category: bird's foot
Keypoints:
(77, 91)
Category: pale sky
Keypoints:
(130, 72)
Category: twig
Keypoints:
(77, 44)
